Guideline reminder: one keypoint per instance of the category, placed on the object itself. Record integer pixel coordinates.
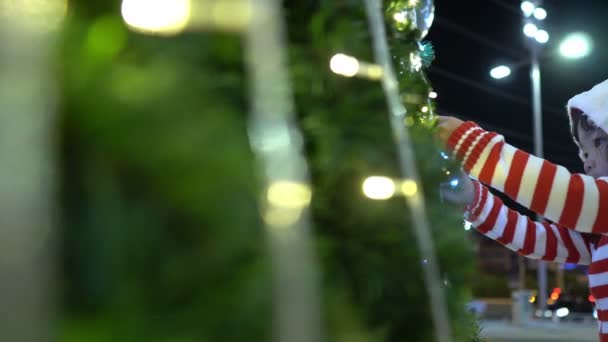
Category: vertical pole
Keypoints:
(521, 272)
(407, 165)
(27, 103)
(277, 142)
(538, 151)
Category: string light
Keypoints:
(409, 188)
(433, 95)
(424, 109)
(349, 66)
(164, 17)
(279, 219)
(378, 188)
(289, 194)
(344, 65)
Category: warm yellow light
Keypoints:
(409, 187)
(379, 188)
(344, 65)
(349, 66)
(281, 218)
(164, 17)
(375, 72)
(433, 95)
(288, 194)
(425, 109)
(554, 296)
(532, 299)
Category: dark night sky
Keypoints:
(472, 36)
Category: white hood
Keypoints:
(593, 103)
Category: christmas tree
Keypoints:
(175, 221)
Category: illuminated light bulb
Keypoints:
(424, 109)
(348, 66)
(433, 95)
(542, 36)
(378, 188)
(344, 65)
(500, 71)
(576, 45)
(409, 188)
(528, 8)
(530, 30)
(532, 299)
(554, 296)
(374, 72)
(540, 13)
(163, 17)
(288, 194)
(281, 218)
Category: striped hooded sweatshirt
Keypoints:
(576, 204)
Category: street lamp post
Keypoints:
(574, 46)
(536, 37)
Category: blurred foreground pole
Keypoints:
(409, 171)
(278, 144)
(28, 30)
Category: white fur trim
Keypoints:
(594, 103)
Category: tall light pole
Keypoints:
(536, 37)
(574, 46)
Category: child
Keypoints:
(578, 203)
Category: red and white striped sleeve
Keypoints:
(536, 240)
(575, 201)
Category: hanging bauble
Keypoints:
(411, 16)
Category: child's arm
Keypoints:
(575, 201)
(519, 233)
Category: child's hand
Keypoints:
(462, 195)
(447, 125)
